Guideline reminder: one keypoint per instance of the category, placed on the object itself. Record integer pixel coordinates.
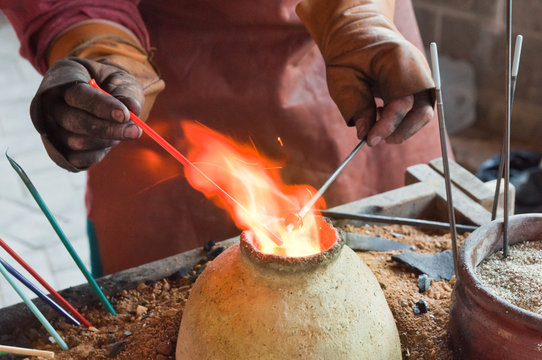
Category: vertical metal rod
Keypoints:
(444, 149)
(507, 132)
(515, 68)
(498, 183)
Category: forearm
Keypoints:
(39, 23)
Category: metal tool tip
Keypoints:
(293, 221)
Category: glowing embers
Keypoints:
(254, 182)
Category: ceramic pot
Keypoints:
(482, 325)
(248, 305)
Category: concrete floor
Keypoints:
(22, 225)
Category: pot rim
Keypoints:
(466, 258)
(288, 263)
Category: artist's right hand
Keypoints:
(81, 123)
(366, 57)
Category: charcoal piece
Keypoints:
(424, 282)
(420, 307)
(437, 266)
(180, 273)
(215, 252)
(117, 348)
(209, 245)
(362, 242)
(193, 277)
(199, 271)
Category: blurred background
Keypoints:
(471, 38)
(470, 35)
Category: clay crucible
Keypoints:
(482, 325)
(249, 305)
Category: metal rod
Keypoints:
(305, 209)
(498, 183)
(507, 128)
(444, 149)
(428, 224)
(515, 68)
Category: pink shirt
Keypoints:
(37, 23)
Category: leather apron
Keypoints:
(250, 70)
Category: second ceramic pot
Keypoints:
(482, 325)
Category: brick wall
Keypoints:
(475, 31)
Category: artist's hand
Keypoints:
(366, 58)
(81, 122)
(397, 120)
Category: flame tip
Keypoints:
(254, 182)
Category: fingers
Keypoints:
(421, 113)
(84, 159)
(79, 150)
(127, 89)
(79, 122)
(397, 120)
(365, 120)
(75, 142)
(88, 123)
(391, 117)
(82, 151)
(84, 97)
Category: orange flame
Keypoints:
(253, 181)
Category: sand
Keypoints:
(516, 279)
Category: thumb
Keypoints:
(127, 90)
(131, 103)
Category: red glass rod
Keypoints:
(184, 160)
(38, 278)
